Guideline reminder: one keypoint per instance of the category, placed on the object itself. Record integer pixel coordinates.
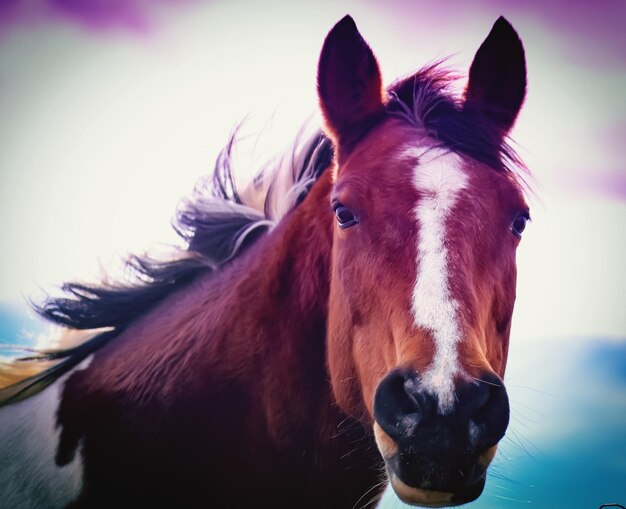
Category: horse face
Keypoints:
(423, 272)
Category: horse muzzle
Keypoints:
(437, 459)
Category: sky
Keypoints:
(110, 110)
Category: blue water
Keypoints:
(18, 326)
(566, 445)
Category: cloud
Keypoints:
(95, 15)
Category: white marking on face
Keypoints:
(29, 437)
(438, 178)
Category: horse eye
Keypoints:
(519, 224)
(345, 217)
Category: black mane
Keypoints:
(424, 100)
(216, 224)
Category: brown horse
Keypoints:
(290, 361)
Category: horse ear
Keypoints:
(349, 83)
(497, 77)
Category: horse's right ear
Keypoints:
(349, 84)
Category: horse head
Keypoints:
(427, 222)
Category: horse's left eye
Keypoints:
(345, 217)
(519, 224)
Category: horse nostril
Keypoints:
(411, 388)
(485, 405)
(399, 404)
(404, 410)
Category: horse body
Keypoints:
(371, 321)
(245, 404)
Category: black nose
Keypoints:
(410, 415)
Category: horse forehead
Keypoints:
(401, 155)
(438, 173)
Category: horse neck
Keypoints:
(269, 325)
(287, 300)
(255, 331)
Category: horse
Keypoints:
(350, 332)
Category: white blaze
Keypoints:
(439, 178)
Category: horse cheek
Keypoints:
(341, 365)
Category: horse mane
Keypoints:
(426, 100)
(219, 221)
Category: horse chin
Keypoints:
(418, 496)
(412, 490)
(430, 498)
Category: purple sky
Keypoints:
(589, 36)
(95, 15)
(589, 26)
(98, 96)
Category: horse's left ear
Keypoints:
(497, 77)
(349, 83)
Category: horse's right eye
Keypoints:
(519, 224)
(345, 217)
